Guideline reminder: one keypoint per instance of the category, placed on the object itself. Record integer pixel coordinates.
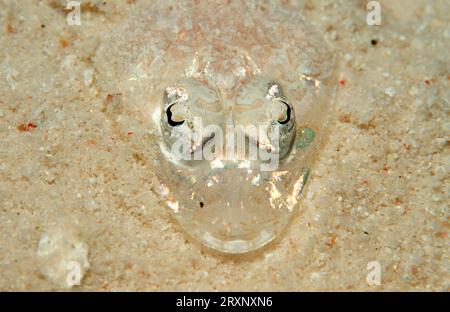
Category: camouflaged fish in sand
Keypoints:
(229, 64)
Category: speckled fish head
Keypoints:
(236, 108)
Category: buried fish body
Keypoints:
(187, 73)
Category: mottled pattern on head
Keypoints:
(240, 40)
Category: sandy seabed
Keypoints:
(72, 188)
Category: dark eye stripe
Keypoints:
(288, 113)
(169, 118)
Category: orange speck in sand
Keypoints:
(64, 42)
(332, 241)
(10, 29)
(26, 127)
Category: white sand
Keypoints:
(71, 181)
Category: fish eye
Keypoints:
(188, 106)
(263, 102)
(276, 96)
(285, 124)
(170, 121)
(288, 114)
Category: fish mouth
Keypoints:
(232, 210)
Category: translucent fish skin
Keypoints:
(223, 53)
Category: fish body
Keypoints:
(236, 96)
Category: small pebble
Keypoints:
(390, 91)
